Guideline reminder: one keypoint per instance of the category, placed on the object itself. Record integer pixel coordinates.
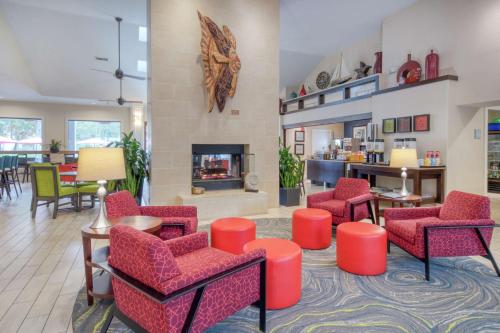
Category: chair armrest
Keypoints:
(320, 197)
(359, 199)
(410, 213)
(169, 211)
(185, 244)
(455, 224)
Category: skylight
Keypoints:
(143, 34)
(142, 66)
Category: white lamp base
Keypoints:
(101, 221)
(404, 192)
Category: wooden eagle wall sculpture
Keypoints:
(221, 64)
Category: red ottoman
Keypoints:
(283, 271)
(361, 248)
(312, 228)
(230, 234)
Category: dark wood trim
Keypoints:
(416, 84)
(329, 121)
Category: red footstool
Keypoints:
(361, 248)
(312, 228)
(283, 271)
(230, 234)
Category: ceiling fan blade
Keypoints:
(134, 102)
(101, 70)
(142, 78)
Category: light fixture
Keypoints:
(404, 158)
(101, 165)
(142, 66)
(143, 34)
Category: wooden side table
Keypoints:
(100, 286)
(409, 199)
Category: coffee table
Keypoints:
(100, 285)
(412, 199)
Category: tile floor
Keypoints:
(41, 263)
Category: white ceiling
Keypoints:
(60, 38)
(312, 29)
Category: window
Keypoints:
(91, 133)
(142, 66)
(20, 134)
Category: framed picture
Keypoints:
(359, 132)
(389, 125)
(299, 136)
(404, 124)
(422, 123)
(299, 149)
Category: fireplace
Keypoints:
(218, 167)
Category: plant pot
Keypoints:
(289, 196)
(54, 150)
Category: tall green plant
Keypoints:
(291, 168)
(136, 163)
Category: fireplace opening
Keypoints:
(218, 167)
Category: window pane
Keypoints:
(85, 133)
(20, 134)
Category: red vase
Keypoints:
(431, 66)
(377, 66)
(409, 72)
(303, 91)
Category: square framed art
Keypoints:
(422, 123)
(404, 124)
(299, 136)
(299, 149)
(389, 125)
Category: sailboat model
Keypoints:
(341, 74)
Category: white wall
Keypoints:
(55, 116)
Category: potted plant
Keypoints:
(55, 146)
(136, 165)
(291, 174)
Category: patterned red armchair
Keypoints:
(177, 220)
(461, 227)
(181, 284)
(349, 201)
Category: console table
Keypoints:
(371, 171)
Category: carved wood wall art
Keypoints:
(221, 64)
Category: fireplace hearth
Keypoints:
(218, 167)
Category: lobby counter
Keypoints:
(325, 171)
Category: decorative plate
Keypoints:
(323, 80)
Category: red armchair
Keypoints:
(461, 227)
(182, 284)
(349, 201)
(177, 220)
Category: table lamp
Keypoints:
(404, 158)
(101, 165)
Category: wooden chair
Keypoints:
(47, 187)
(3, 184)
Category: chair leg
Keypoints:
(56, 208)
(427, 257)
(33, 211)
(489, 255)
(18, 182)
(370, 211)
(262, 301)
(388, 246)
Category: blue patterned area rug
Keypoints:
(462, 296)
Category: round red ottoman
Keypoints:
(230, 234)
(361, 248)
(283, 271)
(312, 228)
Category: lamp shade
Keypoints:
(100, 164)
(404, 158)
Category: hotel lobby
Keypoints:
(249, 166)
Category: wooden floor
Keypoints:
(41, 264)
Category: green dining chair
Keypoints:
(90, 189)
(47, 187)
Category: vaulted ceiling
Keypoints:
(59, 40)
(313, 29)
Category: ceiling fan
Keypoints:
(118, 73)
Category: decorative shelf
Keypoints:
(349, 92)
